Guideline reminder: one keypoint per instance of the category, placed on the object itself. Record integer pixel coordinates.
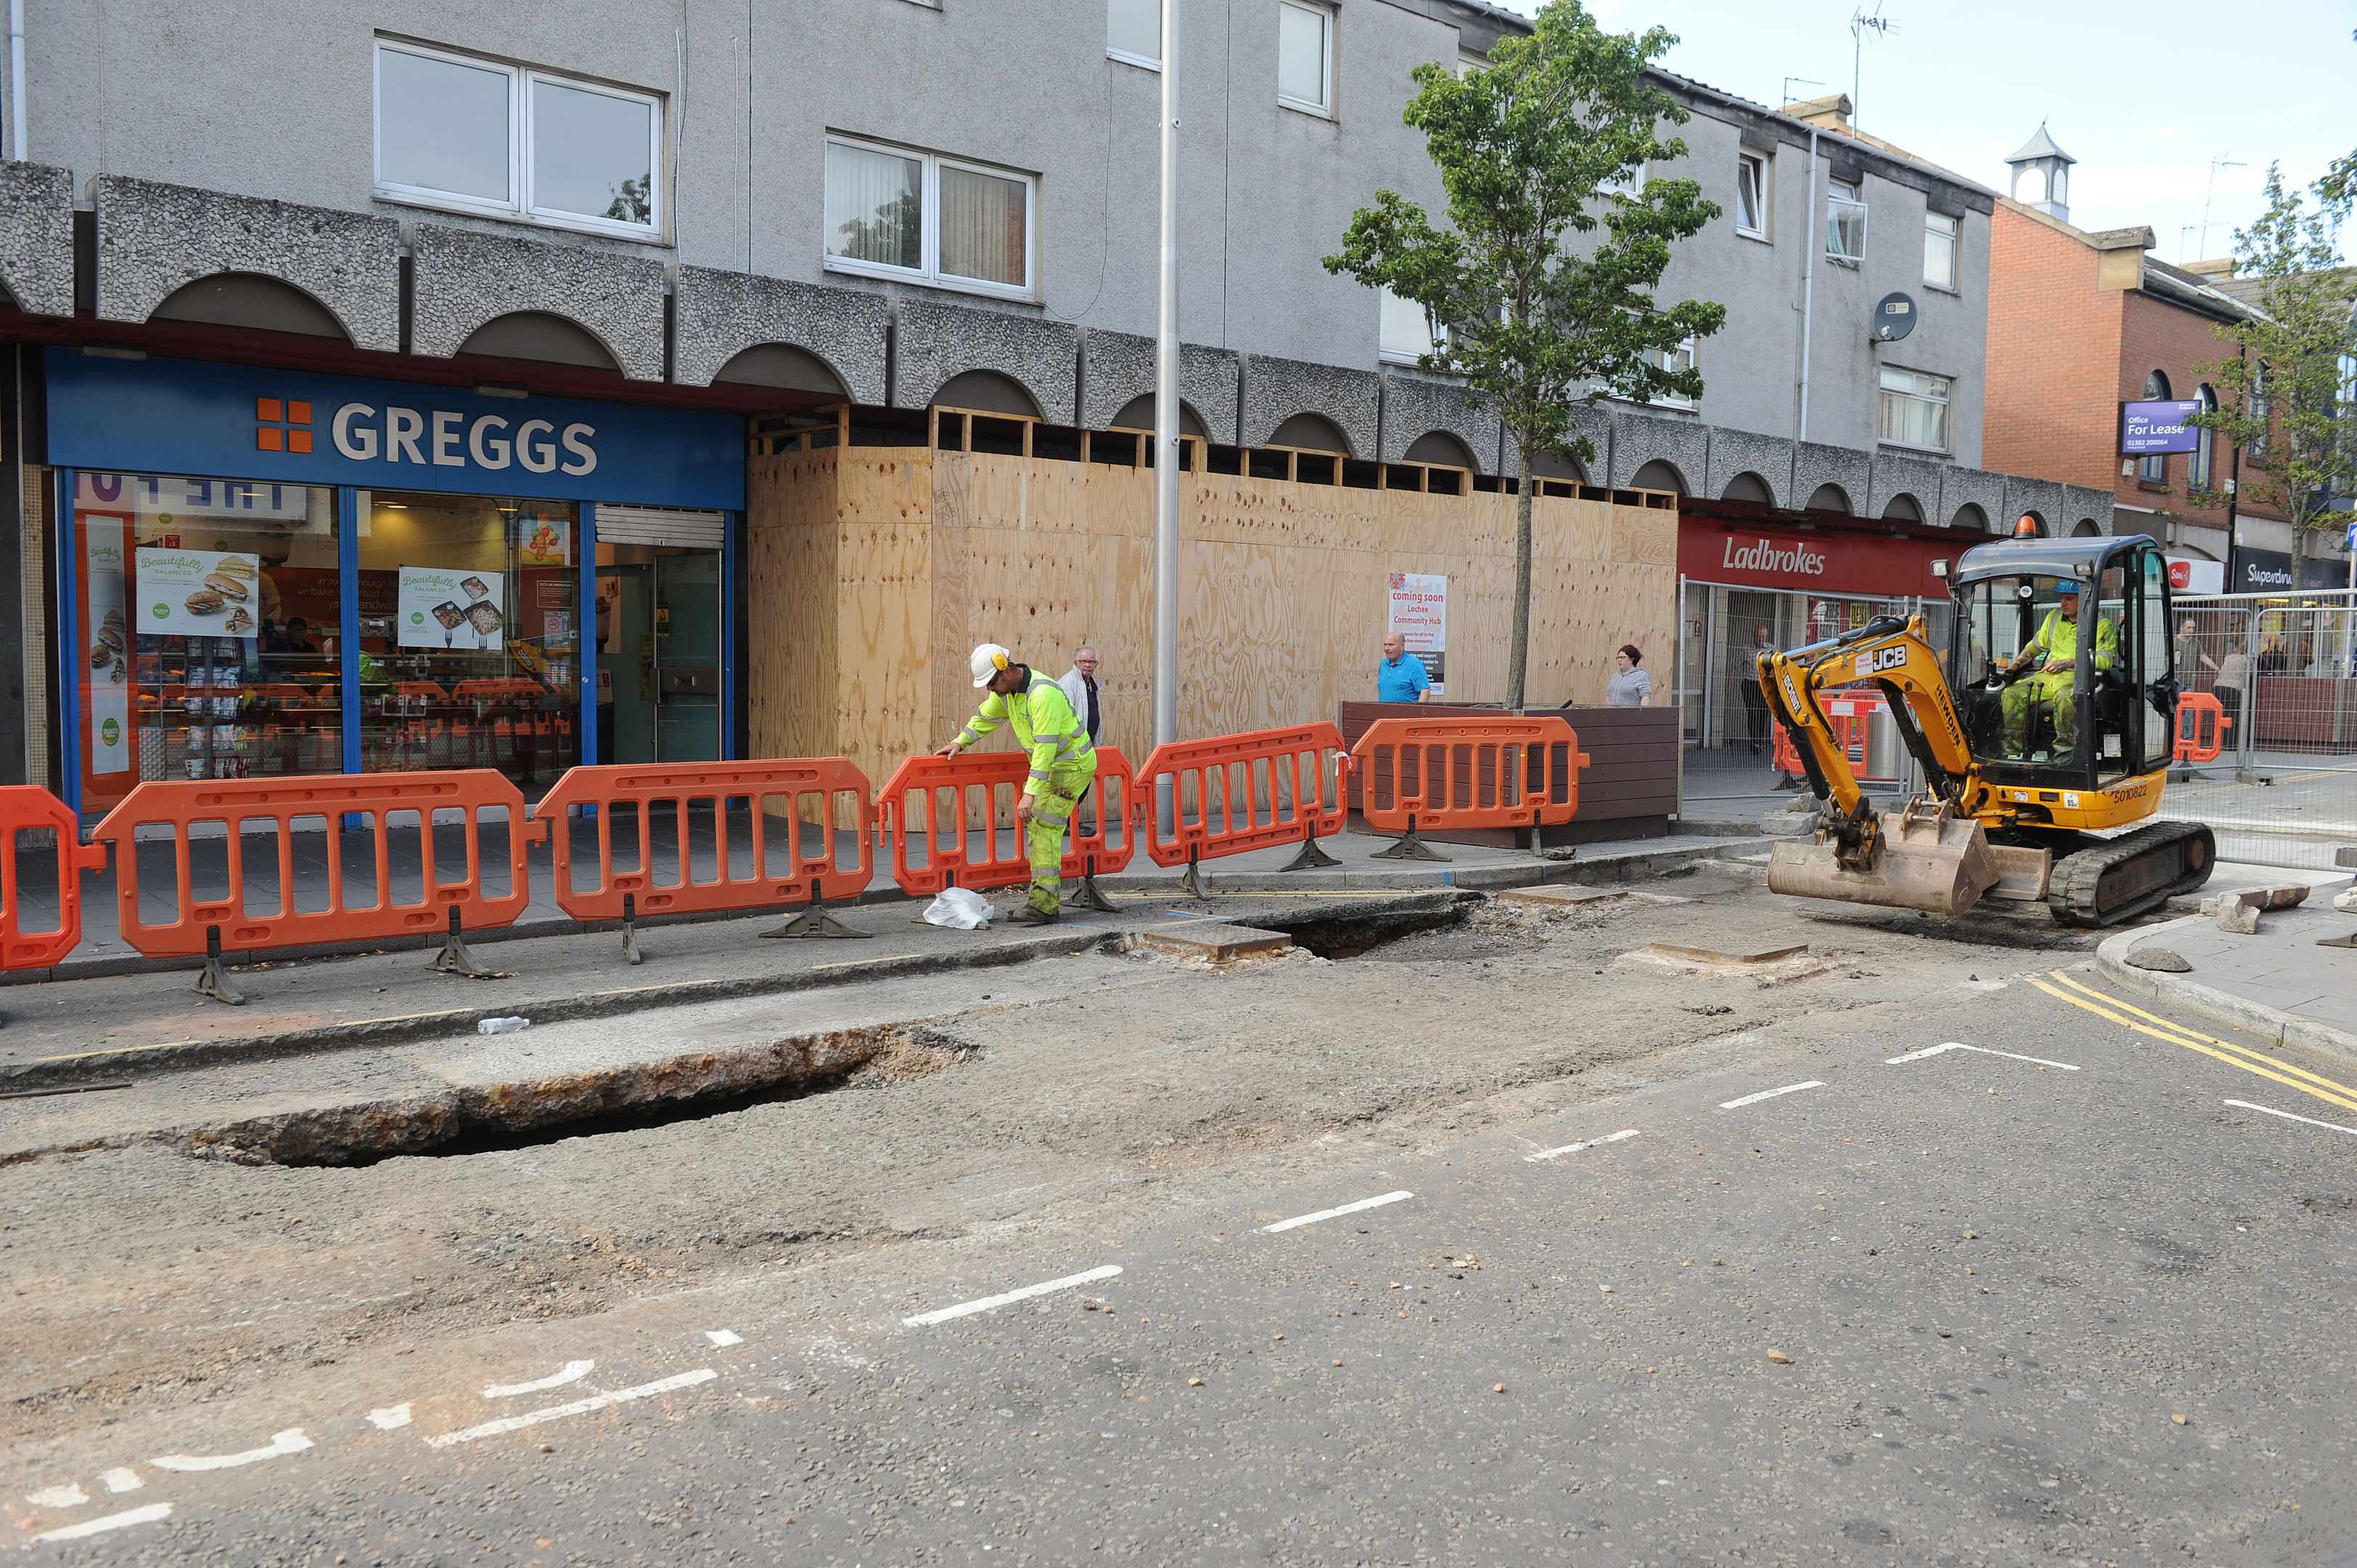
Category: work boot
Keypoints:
(1031, 914)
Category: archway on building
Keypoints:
(781, 365)
(1547, 466)
(540, 334)
(1310, 432)
(987, 392)
(2085, 529)
(1902, 508)
(1748, 486)
(251, 301)
(1440, 448)
(1658, 474)
(1137, 414)
(1970, 516)
(1830, 498)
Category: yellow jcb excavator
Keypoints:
(2048, 721)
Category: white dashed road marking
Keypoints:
(1337, 1213)
(579, 1407)
(1575, 1148)
(968, 1308)
(724, 1337)
(290, 1441)
(69, 1495)
(390, 1417)
(574, 1372)
(2329, 1126)
(1959, 1045)
(90, 1527)
(1770, 1094)
(122, 1480)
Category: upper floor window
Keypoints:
(1915, 409)
(1941, 235)
(1134, 32)
(1844, 223)
(1751, 196)
(1680, 358)
(2152, 467)
(508, 140)
(1406, 333)
(2198, 464)
(1304, 57)
(896, 213)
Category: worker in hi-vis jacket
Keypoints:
(1063, 764)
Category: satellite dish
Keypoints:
(1894, 317)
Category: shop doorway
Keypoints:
(658, 655)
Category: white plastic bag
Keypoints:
(959, 908)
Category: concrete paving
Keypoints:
(2278, 981)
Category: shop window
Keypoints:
(481, 136)
(1915, 409)
(893, 213)
(1134, 32)
(468, 635)
(206, 614)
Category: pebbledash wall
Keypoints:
(221, 206)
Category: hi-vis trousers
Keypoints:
(1052, 812)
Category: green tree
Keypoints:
(1543, 268)
(2282, 397)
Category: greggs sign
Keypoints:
(181, 416)
(1713, 549)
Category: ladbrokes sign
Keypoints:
(1822, 560)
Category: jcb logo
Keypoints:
(1889, 657)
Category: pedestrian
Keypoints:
(2187, 657)
(2233, 675)
(1630, 686)
(1080, 684)
(1400, 677)
(1755, 701)
(1063, 764)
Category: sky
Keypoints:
(2146, 96)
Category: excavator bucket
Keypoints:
(1924, 858)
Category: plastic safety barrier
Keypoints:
(945, 811)
(1466, 773)
(1848, 717)
(30, 807)
(705, 837)
(2202, 726)
(374, 878)
(1239, 792)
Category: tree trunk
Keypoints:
(1518, 650)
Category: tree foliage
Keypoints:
(2282, 398)
(1539, 278)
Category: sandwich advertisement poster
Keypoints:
(457, 609)
(197, 593)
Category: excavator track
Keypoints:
(2123, 877)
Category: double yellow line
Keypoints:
(2249, 1059)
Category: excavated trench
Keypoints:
(1347, 933)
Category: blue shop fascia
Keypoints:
(270, 572)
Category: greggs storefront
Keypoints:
(266, 573)
(1752, 576)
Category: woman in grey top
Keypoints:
(1630, 686)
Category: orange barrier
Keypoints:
(2202, 726)
(1466, 773)
(1848, 717)
(1238, 792)
(342, 809)
(26, 808)
(950, 807)
(787, 792)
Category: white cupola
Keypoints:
(2041, 176)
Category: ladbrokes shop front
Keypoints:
(265, 573)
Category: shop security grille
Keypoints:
(662, 525)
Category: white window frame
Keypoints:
(929, 207)
(1385, 352)
(1883, 393)
(1152, 62)
(1326, 22)
(519, 207)
(1756, 162)
(1690, 349)
(1834, 202)
(1953, 283)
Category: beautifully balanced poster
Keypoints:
(451, 608)
(197, 593)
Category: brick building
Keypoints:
(2081, 322)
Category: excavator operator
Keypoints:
(2052, 658)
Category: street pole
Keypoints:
(1168, 451)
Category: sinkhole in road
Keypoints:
(503, 1118)
(1354, 933)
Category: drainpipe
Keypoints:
(1810, 241)
(16, 80)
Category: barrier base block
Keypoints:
(455, 959)
(1409, 847)
(1191, 882)
(1089, 895)
(1310, 858)
(816, 922)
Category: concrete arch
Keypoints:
(1971, 517)
(1748, 486)
(1138, 413)
(2085, 527)
(990, 392)
(1310, 432)
(1903, 508)
(544, 336)
(1547, 466)
(1829, 498)
(1440, 447)
(254, 301)
(1660, 474)
(782, 365)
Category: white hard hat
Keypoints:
(989, 661)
